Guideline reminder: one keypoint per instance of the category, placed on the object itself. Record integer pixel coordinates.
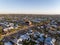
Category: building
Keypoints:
(8, 43)
(50, 41)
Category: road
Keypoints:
(17, 32)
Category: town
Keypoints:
(29, 29)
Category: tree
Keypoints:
(1, 43)
(1, 29)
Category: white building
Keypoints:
(50, 41)
(22, 37)
(7, 29)
(8, 43)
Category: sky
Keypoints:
(30, 6)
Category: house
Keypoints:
(8, 28)
(8, 43)
(36, 33)
(25, 36)
(30, 32)
(11, 28)
(55, 26)
(50, 41)
(41, 39)
(22, 38)
(35, 20)
(52, 31)
(16, 26)
(41, 27)
(11, 24)
(5, 29)
(19, 41)
(58, 32)
(38, 27)
(58, 22)
(53, 41)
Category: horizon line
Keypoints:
(29, 14)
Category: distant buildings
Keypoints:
(45, 34)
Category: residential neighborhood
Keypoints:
(29, 30)
(29, 22)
